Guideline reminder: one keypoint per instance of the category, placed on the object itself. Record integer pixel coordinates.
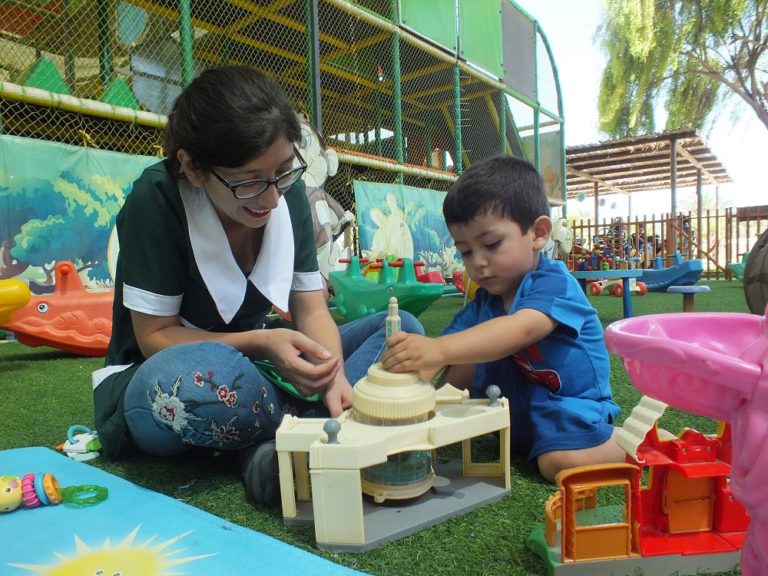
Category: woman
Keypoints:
(210, 239)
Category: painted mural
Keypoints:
(404, 222)
(59, 202)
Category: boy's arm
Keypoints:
(485, 342)
(495, 338)
(459, 376)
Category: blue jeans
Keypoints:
(208, 394)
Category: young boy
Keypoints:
(529, 329)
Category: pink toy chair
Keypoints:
(711, 364)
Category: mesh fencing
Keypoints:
(104, 73)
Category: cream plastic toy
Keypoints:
(384, 447)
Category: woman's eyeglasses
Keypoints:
(251, 188)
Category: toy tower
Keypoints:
(384, 447)
(386, 399)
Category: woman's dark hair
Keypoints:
(501, 186)
(227, 116)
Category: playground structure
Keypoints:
(582, 259)
(718, 238)
(384, 449)
(607, 272)
(356, 296)
(657, 279)
(711, 364)
(70, 319)
(680, 273)
(737, 268)
(384, 82)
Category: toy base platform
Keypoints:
(660, 565)
(391, 521)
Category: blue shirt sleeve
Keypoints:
(552, 290)
(480, 309)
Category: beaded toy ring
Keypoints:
(44, 490)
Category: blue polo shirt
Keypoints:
(558, 388)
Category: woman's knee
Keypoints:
(204, 394)
(409, 323)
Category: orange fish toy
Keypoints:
(71, 319)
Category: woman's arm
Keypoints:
(155, 333)
(309, 311)
(306, 363)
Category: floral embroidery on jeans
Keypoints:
(224, 393)
(223, 434)
(229, 397)
(168, 408)
(199, 380)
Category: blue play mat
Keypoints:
(134, 532)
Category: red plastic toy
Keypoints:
(71, 319)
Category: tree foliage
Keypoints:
(75, 226)
(691, 55)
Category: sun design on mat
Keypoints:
(127, 558)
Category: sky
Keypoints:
(737, 137)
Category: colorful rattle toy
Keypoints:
(33, 490)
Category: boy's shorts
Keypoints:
(543, 421)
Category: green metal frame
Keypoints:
(312, 51)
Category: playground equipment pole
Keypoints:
(457, 115)
(503, 121)
(40, 97)
(70, 75)
(185, 37)
(536, 136)
(556, 76)
(378, 123)
(673, 179)
(429, 145)
(396, 92)
(313, 69)
(105, 62)
(391, 166)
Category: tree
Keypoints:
(76, 228)
(692, 55)
(26, 200)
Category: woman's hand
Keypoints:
(311, 374)
(338, 396)
(411, 353)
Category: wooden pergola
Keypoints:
(662, 161)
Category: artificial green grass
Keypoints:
(44, 391)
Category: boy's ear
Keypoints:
(194, 176)
(542, 230)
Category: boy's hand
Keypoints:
(411, 353)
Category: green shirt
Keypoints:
(175, 259)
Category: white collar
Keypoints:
(273, 272)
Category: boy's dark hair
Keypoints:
(227, 116)
(501, 186)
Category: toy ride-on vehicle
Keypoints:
(615, 287)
